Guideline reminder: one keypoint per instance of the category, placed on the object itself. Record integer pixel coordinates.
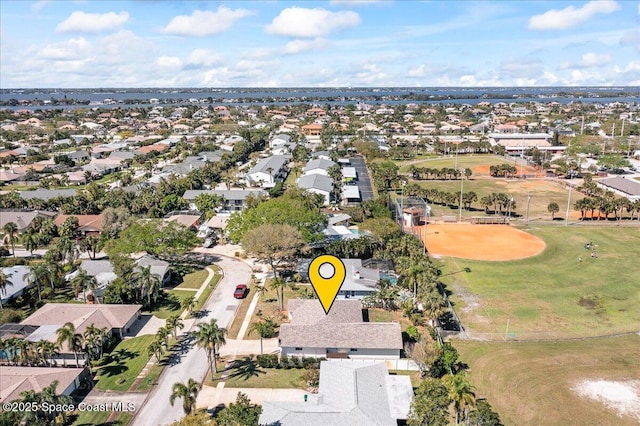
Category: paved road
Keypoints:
(364, 181)
(222, 306)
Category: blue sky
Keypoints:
(147, 43)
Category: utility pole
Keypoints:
(566, 217)
(528, 201)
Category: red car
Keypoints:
(241, 291)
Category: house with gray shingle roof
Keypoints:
(16, 380)
(318, 184)
(340, 334)
(351, 393)
(269, 171)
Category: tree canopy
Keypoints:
(154, 237)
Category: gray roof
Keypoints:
(318, 163)
(275, 163)
(309, 312)
(95, 267)
(316, 181)
(47, 194)
(125, 155)
(350, 393)
(367, 281)
(17, 283)
(337, 218)
(158, 267)
(232, 194)
(628, 186)
(22, 218)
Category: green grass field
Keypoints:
(533, 383)
(127, 361)
(193, 280)
(245, 373)
(553, 295)
(171, 305)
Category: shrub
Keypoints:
(412, 333)
(10, 315)
(13, 261)
(267, 361)
(48, 293)
(417, 318)
(284, 361)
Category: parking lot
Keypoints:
(364, 181)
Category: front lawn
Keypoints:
(193, 280)
(245, 373)
(170, 304)
(124, 364)
(209, 289)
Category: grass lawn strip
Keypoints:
(128, 360)
(554, 294)
(209, 289)
(535, 383)
(234, 329)
(91, 418)
(193, 280)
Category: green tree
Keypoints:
(265, 328)
(484, 415)
(430, 405)
(10, 230)
(210, 337)
(553, 208)
(154, 237)
(173, 323)
(84, 281)
(188, 392)
(147, 283)
(30, 241)
(67, 335)
(188, 303)
(69, 228)
(91, 245)
(240, 413)
(274, 244)
(207, 203)
(461, 393)
(4, 282)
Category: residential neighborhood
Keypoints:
(160, 253)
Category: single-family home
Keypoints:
(16, 380)
(89, 224)
(46, 194)
(22, 218)
(317, 184)
(359, 281)
(17, 282)
(341, 333)
(269, 171)
(355, 393)
(318, 165)
(234, 200)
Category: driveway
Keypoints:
(211, 397)
(364, 181)
(193, 364)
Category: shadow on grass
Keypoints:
(244, 369)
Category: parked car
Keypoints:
(240, 291)
(208, 242)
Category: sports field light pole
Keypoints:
(528, 201)
(461, 189)
(566, 217)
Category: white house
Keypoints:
(318, 184)
(269, 170)
(340, 334)
(359, 281)
(349, 393)
(318, 165)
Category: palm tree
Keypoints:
(433, 304)
(264, 328)
(209, 336)
(162, 337)
(147, 283)
(49, 350)
(188, 303)
(30, 242)
(187, 392)
(37, 275)
(155, 348)
(278, 284)
(10, 230)
(67, 334)
(4, 282)
(174, 323)
(84, 281)
(461, 392)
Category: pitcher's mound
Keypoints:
(481, 242)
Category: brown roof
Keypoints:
(19, 379)
(87, 222)
(341, 328)
(155, 147)
(313, 126)
(81, 315)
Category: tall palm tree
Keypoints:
(188, 303)
(10, 229)
(155, 348)
(461, 392)
(67, 334)
(433, 304)
(174, 323)
(147, 283)
(264, 328)
(4, 282)
(209, 336)
(49, 350)
(84, 281)
(29, 242)
(187, 392)
(38, 274)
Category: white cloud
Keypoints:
(417, 72)
(520, 68)
(301, 22)
(169, 62)
(92, 22)
(204, 57)
(37, 6)
(353, 2)
(205, 23)
(299, 46)
(588, 60)
(571, 16)
(71, 49)
(631, 38)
